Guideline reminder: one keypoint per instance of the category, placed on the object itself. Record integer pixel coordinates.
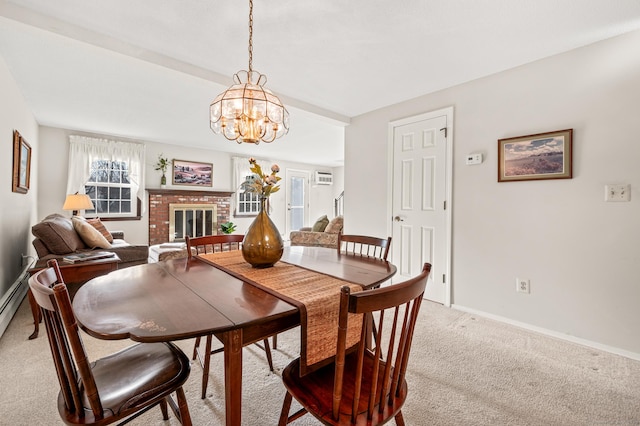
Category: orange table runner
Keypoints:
(316, 295)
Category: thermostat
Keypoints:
(473, 159)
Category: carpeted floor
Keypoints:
(465, 370)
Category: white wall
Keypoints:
(580, 253)
(53, 180)
(18, 211)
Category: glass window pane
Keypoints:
(199, 223)
(297, 218)
(208, 223)
(125, 207)
(103, 192)
(115, 176)
(179, 225)
(101, 206)
(114, 192)
(189, 223)
(114, 206)
(297, 191)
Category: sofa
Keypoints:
(57, 236)
(323, 233)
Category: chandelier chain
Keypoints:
(250, 35)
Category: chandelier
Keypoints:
(246, 111)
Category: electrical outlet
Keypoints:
(522, 286)
(613, 193)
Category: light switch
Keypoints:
(614, 193)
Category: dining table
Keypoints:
(190, 297)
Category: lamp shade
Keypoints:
(77, 202)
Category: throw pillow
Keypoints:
(57, 234)
(90, 235)
(320, 224)
(335, 226)
(97, 223)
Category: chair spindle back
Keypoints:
(70, 359)
(364, 245)
(213, 243)
(394, 309)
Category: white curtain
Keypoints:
(241, 169)
(83, 151)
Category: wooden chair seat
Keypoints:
(130, 380)
(306, 392)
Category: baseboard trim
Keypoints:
(12, 299)
(552, 333)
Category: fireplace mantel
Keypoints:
(189, 192)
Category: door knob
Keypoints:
(398, 219)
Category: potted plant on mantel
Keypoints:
(162, 164)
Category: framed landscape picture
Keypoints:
(535, 157)
(21, 164)
(192, 173)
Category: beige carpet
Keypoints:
(465, 370)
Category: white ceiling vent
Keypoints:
(324, 178)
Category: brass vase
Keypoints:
(262, 246)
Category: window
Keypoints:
(109, 187)
(247, 203)
(111, 173)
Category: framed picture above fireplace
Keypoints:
(192, 173)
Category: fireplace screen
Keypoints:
(194, 220)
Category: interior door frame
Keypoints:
(448, 112)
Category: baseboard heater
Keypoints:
(11, 300)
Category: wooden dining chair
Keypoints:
(210, 244)
(364, 245)
(118, 387)
(362, 386)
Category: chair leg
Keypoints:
(163, 408)
(286, 406)
(275, 341)
(267, 349)
(185, 416)
(399, 419)
(195, 348)
(205, 367)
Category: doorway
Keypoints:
(421, 151)
(297, 200)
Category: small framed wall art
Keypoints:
(536, 157)
(192, 173)
(21, 164)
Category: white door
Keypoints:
(297, 200)
(421, 199)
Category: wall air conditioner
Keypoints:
(323, 178)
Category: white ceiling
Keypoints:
(148, 69)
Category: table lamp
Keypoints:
(77, 202)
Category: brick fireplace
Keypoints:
(159, 200)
